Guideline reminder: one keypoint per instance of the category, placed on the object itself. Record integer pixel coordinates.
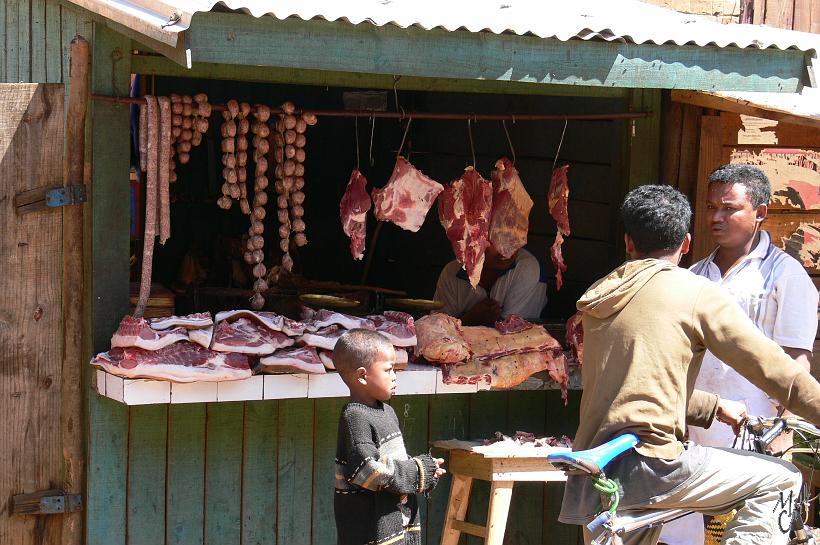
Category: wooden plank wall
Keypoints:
(802, 15)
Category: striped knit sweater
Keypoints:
(376, 481)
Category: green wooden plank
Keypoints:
(295, 479)
(24, 40)
(147, 443)
(259, 473)
(413, 413)
(644, 139)
(54, 42)
(324, 45)
(326, 418)
(223, 473)
(12, 45)
(527, 412)
(38, 41)
(4, 30)
(185, 482)
(107, 463)
(449, 419)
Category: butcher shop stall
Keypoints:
(261, 179)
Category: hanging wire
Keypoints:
(560, 142)
(470, 135)
(509, 140)
(372, 130)
(356, 125)
(396, 96)
(406, 130)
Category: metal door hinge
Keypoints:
(49, 197)
(46, 502)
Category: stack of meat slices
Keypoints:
(503, 356)
(162, 349)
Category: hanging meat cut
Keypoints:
(505, 372)
(440, 339)
(510, 219)
(398, 327)
(325, 318)
(324, 338)
(464, 211)
(407, 196)
(575, 335)
(247, 337)
(559, 372)
(191, 321)
(558, 200)
(292, 360)
(179, 362)
(353, 210)
(137, 332)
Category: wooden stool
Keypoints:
(502, 470)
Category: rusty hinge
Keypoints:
(46, 502)
(49, 197)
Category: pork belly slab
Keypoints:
(407, 196)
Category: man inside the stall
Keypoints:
(514, 285)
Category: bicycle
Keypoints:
(610, 525)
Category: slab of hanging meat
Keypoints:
(179, 362)
(557, 199)
(464, 211)
(575, 335)
(510, 218)
(558, 260)
(407, 196)
(137, 332)
(353, 211)
(440, 339)
(559, 372)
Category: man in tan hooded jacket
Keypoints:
(646, 327)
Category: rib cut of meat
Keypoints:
(512, 324)
(407, 196)
(575, 335)
(558, 260)
(440, 339)
(271, 320)
(353, 211)
(292, 360)
(325, 318)
(504, 372)
(558, 199)
(398, 327)
(246, 337)
(510, 219)
(136, 332)
(464, 211)
(488, 343)
(179, 362)
(324, 338)
(197, 320)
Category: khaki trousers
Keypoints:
(762, 489)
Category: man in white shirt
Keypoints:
(508, 286)
(772, 288)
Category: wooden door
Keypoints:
(31, 332)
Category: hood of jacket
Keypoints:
(613, 292)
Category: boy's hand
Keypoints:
(440, 470)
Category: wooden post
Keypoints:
(71, 410)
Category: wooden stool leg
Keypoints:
(500, 496)
(456, 508)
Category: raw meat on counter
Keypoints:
(271, 320)
(325, 318)
(398, 327)
(504, 372)
(440, 339)
(407, 196)
(353, 210)
(487, 342)
(137, 332)
(292, 360)
(464, 211)
(512, 324)
(558, 200)
(246, 337)
(527, 438)
(179, 362)
(327, 359)
(575, 335)
(324, 338)
(191, 321)
(510, 220)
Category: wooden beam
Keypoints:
(321, 45)
(739, 106)
(157, 65)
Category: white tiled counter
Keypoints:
(416, 379)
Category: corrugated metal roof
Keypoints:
(628, 21)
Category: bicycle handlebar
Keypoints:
(766, 429)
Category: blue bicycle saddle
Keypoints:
(594, 460)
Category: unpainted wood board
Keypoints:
(53, 42)
(295, 472)
(413, 412)
(12, 49)
(24, 41)
(788, 135)
(38, 40)
(259, 473)
(326, 423)
(488, 414)
(526, 411)
(711, 154)
(223, 473)
(689, 144)
(803, 15)
(671, 126)
(31, 126)
(815, 18)
(759, 12)
(779, 13)
(147, 447)
(185, 482)
(449, 419)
